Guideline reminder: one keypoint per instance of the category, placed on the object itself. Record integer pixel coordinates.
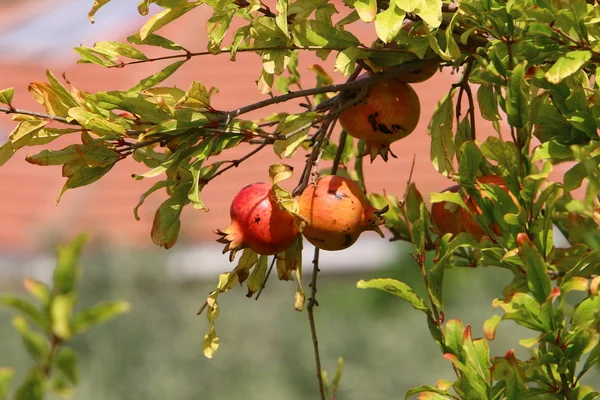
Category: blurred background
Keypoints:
(155, 351)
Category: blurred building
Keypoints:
(36, 35)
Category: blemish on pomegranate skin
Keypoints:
(256, 220)
(347, 240)
(372, 119)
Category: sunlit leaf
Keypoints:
(567, 65)
(163, 18)
(389, 22)
(166, 225)
(61, 309)
(156, 78)
(397, 288)
(6, 95)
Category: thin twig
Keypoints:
(10, 110)
(340, 150)
(466, 88)
(55, 342)
(237, 162)
(266, 277)
(312, 302)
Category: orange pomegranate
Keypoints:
(389, 111)
(258, 223)
(448, 216)
(337, 212)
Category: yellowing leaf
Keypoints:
(95, 8)
(389, 22)
(431, 12)
(567, 65)
(161, 19)
(280, 172)
(366, 9)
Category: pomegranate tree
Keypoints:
(337, 212)
(258, 223)
(389, 111)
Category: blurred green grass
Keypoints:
(155, 351)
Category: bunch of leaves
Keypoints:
(49, 323)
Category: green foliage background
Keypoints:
(154, 351)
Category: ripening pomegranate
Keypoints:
(447, 216)
(337, 212)
(389, 111)
(258, 223)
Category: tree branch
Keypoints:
(312, 302)
(12, 110)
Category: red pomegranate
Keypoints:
(337, 212)
(258, 223)
(389, 111)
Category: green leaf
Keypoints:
(197, 96)
(157, 186)
(156, 78)
(217, 26)
(429, 10)
(166, 225)
(440, 129)
(469, 163)
(6, 377)
(517, 102)
(66, 362)
(163, 18)
(488, 102)
(524, 310)
(27, 309)
(414, 200)
(320, 33)
(389, 22)
(82, 175)
(426, 389)
(95, 122)
(345, 62)
(54, 157)
(257, 277)
(505, 153)
(32, 387)
(454, 332)
(587, 313)
(114, 49)
(567, 65)
(154, 40)
(98, 314)
(490, 325)
(61, 309)
(366, 9)
(67, 268)
(397, 288)
(538, 280)
(6, 96)
(23, 134)
(293, 130)
(35, 343)
(281, 19)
